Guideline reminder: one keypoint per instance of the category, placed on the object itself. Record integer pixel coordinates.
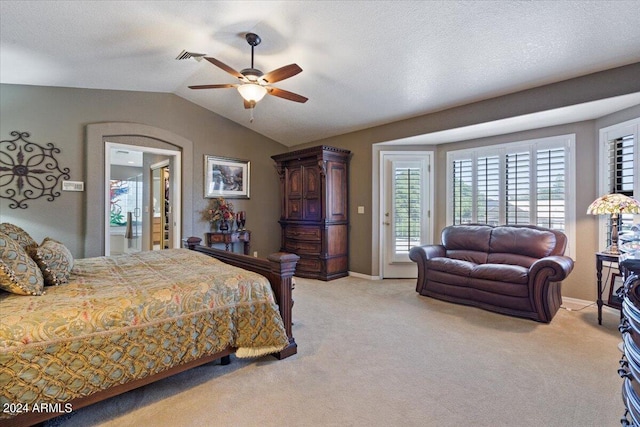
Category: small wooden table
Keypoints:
(229, 238)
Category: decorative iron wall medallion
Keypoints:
(28, 170)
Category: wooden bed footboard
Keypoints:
(278, 268)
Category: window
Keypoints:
(620, 171)
(525, 182)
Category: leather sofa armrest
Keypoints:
(553, 268)
(425, 252)
(420, 255)
(544, 278)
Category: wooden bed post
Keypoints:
(278, 268)
(283, 266)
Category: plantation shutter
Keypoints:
(551, 194)
(407, 208)
(621, 167)
(488, 190)
(518, 188)
(462, 176)
(514, 183)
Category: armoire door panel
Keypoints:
(337, 206)
(312, 209)
(312, 188)
(294, 208)
(294, 182)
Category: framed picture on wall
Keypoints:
(226, 177)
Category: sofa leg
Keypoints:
(225, 360)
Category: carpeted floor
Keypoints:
(374, 353)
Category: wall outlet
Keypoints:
(360, 209)
(255, 254)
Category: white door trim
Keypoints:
(378, 216)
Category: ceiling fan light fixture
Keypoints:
(252, 92)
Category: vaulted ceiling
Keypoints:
(365, 63)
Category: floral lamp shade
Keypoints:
(614, 204)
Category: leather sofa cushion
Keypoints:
(522, 241)
(452, 266)
(471, 256)
(502, 258)
(493, 272)
(501, 273)
(491, 289)
(468, 238)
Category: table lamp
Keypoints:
(613, 204)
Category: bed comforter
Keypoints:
(127, 317)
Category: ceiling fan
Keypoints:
(254, 84)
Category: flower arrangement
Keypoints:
(219, 210)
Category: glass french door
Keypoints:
(125, 220)
(405, 210)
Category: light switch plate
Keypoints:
(360, 209)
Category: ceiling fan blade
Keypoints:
(226, 68)
(281, 73)
(286, 94)
(220, 86)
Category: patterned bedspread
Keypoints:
(127, 317)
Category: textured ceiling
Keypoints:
(365, 63)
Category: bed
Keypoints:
(117, 323)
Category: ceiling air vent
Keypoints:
(186, 55)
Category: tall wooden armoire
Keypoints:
(314, 211)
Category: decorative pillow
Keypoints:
(18, 234)
(55, 261)
(19, 274)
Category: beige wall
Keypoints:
(616, 82)
(60, 116)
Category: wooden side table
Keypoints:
(600, 258)
(229, 239)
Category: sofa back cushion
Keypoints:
(520, 245)
(467, 242)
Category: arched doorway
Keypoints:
(97, 191)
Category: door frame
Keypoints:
(144, 135)
(380, 193)
(154, 167)
(175, 179)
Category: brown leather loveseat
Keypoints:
(515, 270)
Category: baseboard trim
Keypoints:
(577, 301)
(581, 303)
(364, 276)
